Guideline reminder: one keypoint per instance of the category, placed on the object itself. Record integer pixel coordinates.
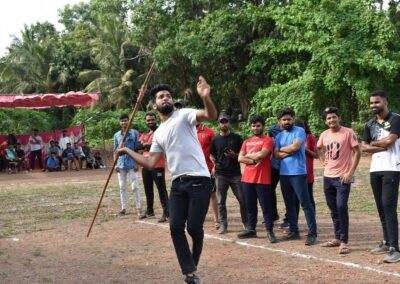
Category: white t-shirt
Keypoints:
(177, 139)
(388, 160)
(63, 142)
(36, 142)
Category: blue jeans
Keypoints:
(188, 205)
(293, 186)
(262, 192)
(337, 196)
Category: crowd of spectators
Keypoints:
(65, 154)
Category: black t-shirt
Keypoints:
(225, 165)
(373, 129)
(20, 153)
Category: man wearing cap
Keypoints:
(225, 148)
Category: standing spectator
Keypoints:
(205, 136)
(155, 175)
(381, 139)
(273, 131)
(36, 144)
(64, 140)
(225, 148)
(340, 155)
(290, 149)
(311, 154)
(255, 154)
(126, 167)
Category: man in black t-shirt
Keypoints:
(225, 148)
(381, 139)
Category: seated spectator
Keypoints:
(88, 155)
(54, 152)
(53, 163)
(68, 157)
(21, 158)
(3, 161)
(11, 158)
(79, 155)
(98, 161)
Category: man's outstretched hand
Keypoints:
(203, 88)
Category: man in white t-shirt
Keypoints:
(36, 144)
(381, 139)
(64, 140)
(176, 137)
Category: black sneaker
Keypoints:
(284, 225)
(247, 234)
(192, 279)
(122, 212)
(311, 240)
(292, 236)
(151, 214)
(271, 237)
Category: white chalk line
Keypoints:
(288, 253)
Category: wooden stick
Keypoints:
(135, 110)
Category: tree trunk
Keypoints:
(244, 103)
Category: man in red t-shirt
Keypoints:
(256, 179)
(205, 136)
(156, 175)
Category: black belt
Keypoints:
(184, 178)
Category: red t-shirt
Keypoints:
(205, 136)
(311, 144)
(147, 138)
(259, 173)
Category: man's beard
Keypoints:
(165, 110)
(288, 126)
(153, 127)
(377, 110)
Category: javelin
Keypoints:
(135, 110)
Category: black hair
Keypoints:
(256, 119)
(150, 114)
(160, 87)
(286, 111)
(379, 93)
(330, 110)
(123, 116)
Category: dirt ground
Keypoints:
(124, 250)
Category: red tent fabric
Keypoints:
(38, 101)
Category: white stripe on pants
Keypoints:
(131, 176)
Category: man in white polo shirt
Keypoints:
(176, 137)
(381, 139)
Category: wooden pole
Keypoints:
(133, 113)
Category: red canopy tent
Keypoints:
(40, 101)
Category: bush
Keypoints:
(23, 121)
(101, 125)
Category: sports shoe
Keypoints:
(380, 249)
(192, 279)
(142, 216)
(271, 237)
(392, 256)
(122, 212)
(163, 219)
(311, 240)
(247, 234)
(292, 236)
(151, 214)
(284, 225)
